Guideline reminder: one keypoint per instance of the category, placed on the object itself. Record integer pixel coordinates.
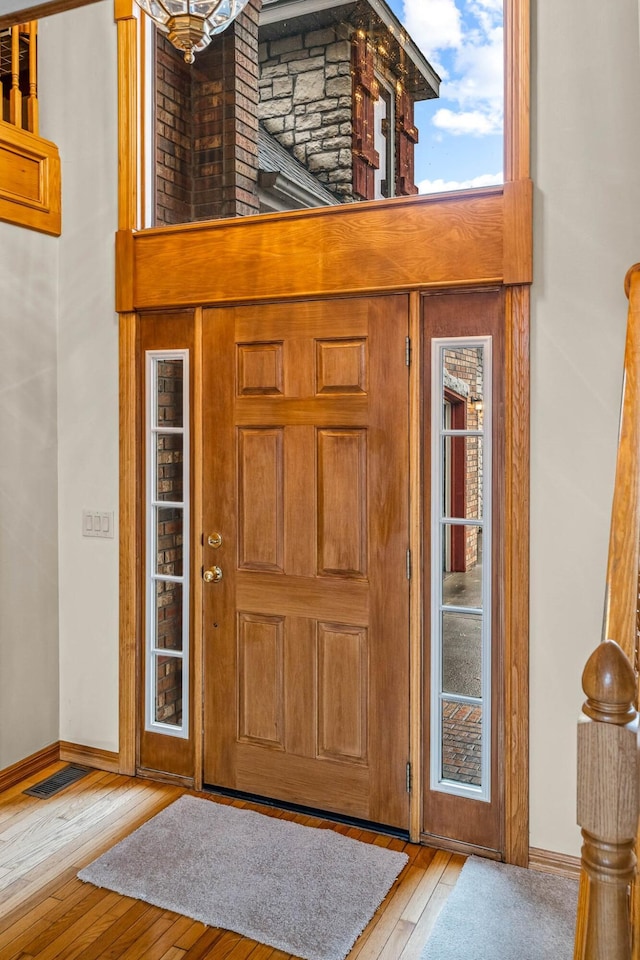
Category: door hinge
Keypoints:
(408, 564)
(409, 777)
(407, 351)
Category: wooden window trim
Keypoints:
(513, 253)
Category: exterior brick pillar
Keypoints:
(222, 118)
(225, 118)
(173, 135)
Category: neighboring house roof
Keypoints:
(455, 384)
(283, 183)
(420, 79)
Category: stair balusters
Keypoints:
(32, 103)
(20, 57)
(15, 94)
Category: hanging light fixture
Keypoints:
(191, 24)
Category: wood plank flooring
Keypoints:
(46, 913)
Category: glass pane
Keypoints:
(169, 542)
(170, 379)
(462, 465)
(463, 379)
(175, 7)
(462, 654)
(462, 565)
(168, 706)
(461, 742)
(314, 78)
(168, 615)
(169, 469)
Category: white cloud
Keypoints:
(496, 6)
(435, 25)
(478, 72)
(487, 12)
(446, 186)
(474, 123)
(468, 34)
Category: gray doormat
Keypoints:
(309, 892)
(499, 912)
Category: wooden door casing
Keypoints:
(466, 822)
(306, 638)
(157, 753)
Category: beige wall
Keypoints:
(28, 494)
(78, 57)
(586, 145)
(586, 141)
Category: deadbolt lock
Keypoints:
(214, 540)
(212, 575)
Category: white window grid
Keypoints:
(153, 428)
(439, 523)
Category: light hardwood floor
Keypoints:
(47, 913)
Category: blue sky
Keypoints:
(461, 132)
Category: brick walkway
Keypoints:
(461, 731)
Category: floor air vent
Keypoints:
(57, 782)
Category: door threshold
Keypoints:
(308, 811)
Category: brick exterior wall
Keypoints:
(306, 102)
(169, 543)
(207, 130)
(174, 148)
(461, 742)
(464, 365)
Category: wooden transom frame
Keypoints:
(473, 238)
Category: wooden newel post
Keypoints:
(608, 770)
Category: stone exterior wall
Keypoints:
(306, 102)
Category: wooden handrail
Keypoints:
(608, 760)
(621, 599)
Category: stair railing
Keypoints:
(20, 57)
(608, 918)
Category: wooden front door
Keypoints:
(306, 636)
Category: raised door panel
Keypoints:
(342, 503)
(341, 366)
(343, 685)
(260, 679)
(260, 368)
(260, 499)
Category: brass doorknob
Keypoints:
(213, 575)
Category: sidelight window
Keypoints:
(461, 432)
(167, 534)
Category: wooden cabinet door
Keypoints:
(306, 636)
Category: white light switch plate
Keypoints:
(96, 523)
